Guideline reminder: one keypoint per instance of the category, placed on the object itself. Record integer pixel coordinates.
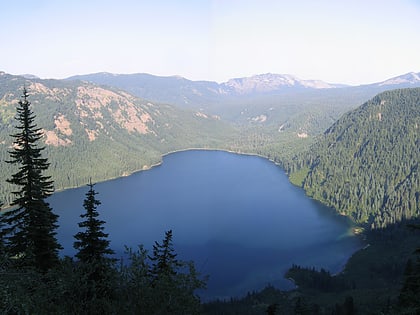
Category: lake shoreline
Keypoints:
(268, 218)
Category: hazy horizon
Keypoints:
(203, 80)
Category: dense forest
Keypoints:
(366, 165)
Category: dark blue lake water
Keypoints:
(238, 217)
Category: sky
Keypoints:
(338, 41)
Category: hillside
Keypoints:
(98, 133)
(172, 90)
(366, 165)
(284, 105)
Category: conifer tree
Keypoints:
(92, 244)
(31, 224)
(95, 267)
(164, 262)
(173, 282)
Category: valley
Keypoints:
(102, 132)
(355, 150)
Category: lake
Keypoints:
(237, 216)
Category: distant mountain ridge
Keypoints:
(270, 82)
(182, 92)
(261, 83)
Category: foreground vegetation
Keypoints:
(137, 285)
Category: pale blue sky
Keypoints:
(353, 42)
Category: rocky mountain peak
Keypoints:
(408, 78)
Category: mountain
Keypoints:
(100, 133)
(406, 80)
(29, 76)
(172, 90)
(366, 165)
(269, 82)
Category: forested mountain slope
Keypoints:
(366, 165)
(99, 133)
(283, 106)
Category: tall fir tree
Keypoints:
(30, 225)
(95, 266)
(92, 244)
(164, 262)
(173, 282)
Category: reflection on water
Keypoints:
(236, 216)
